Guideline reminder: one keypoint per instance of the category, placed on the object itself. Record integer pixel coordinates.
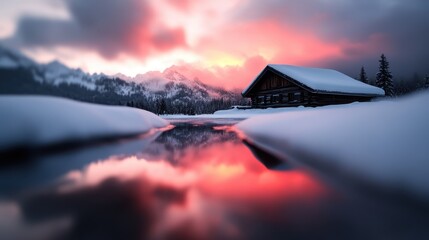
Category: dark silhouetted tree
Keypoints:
(384, 77)
(362, 76)
(427, 81)
(162, 107)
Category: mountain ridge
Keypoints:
(22, 75)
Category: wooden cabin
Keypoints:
(287, 86)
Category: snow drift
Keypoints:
(382, 143)
(37, 121)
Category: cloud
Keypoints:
(108, 26)
(401, 24)
(166, 39)
(183, 5)
(218, 39)
(229, 77)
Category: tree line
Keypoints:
(161, 105)
(384, 80)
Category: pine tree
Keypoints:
(362, 76)
(162, 107)
(384, 77)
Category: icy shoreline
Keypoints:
(385, 143)
(244, 113)
(39, 121)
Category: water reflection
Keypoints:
(204, 196)
(42, 170)
(196, 181)
(173, 145)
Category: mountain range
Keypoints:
(169, 91)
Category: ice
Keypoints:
(384, 143)
(35, 121)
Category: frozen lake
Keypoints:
(197, 180)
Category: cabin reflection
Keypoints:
(269, 160)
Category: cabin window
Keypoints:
(261, 100)
(254, 101)
(285, 98)
(276, 98)
(297, 97)
(268, 99)
(291, 97)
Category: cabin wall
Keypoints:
(281, 98)
(301, 98)
(274, 90)
(271, 81)
(330, 99)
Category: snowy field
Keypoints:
(247, 113)
(384, 143)
(238, 113)
(37, 121)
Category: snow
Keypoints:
(246, 113)
(173, 81)
(11, 58)
(56, 73)
(384, 143)
(37, 121)
(325, 80)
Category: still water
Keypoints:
(195, 181)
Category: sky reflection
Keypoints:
(196, 181)
(207, 195)
(181, 186)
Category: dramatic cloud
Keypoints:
(182, 5)
(219, 40)
(108, 26)
(401, 25)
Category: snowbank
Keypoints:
(383, 143)
(35, 121)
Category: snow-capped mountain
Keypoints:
(20, 74)
(56, 73)
(173, 83)
(13, 59)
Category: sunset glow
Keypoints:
(217, 40)
(203, 190)
(208, 119)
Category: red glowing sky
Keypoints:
(221, 42)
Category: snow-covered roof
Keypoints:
(321, 80)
